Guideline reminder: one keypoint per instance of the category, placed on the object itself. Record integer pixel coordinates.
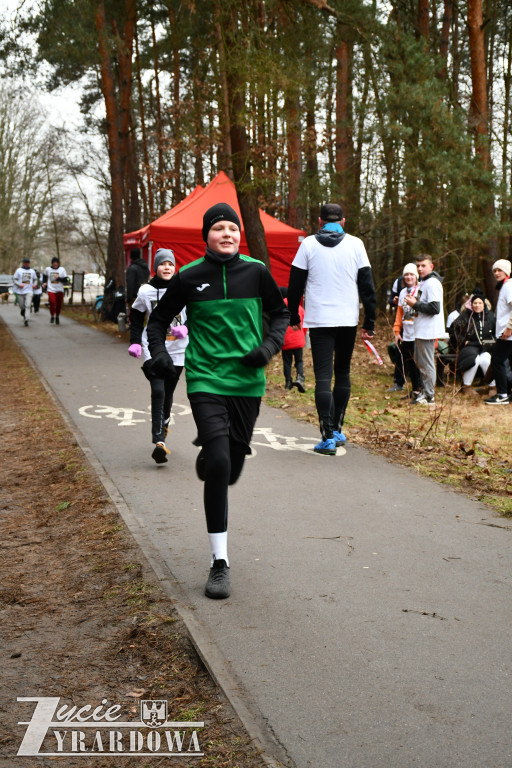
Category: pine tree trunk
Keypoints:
(310, 152)
(506, 211)
(293, 144)
(241, 154)
(344, 161)
(177, 184)
(490, 32)
(159, 125)
(246, 193)
(424, 21)
(124, 44)
(359, 124)
(225, 141)
(445, 37)
(149, 212)
(198, 122)
(391, 197)
(479, 122)
(478, 113)
(115, 255)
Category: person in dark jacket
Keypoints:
(136, 275)
(225, 294)
(472, 334)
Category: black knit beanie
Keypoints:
(219, 212)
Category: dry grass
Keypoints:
(461, 442)
(83, 313)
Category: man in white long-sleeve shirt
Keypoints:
(428, 324)
(502, 350)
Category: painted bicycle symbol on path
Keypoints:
(126, 416)
(264, 437)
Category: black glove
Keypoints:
(257, 357)
(163, 365)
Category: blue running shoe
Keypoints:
(339, 438)
(326, 447)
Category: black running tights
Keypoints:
(223, 463)
(328, 344)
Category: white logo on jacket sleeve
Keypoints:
(203, 286)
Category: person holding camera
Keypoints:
(472, 334)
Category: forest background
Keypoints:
(399, 110)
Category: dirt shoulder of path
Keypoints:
(82, 616)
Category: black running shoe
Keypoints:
(218, 586)
(52, 320)
(299, 383)
(160, 453)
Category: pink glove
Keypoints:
(179, 331)
(134, 350)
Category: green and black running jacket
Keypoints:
(225, 299)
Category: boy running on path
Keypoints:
(225, 294)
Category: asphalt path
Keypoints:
(370, 617)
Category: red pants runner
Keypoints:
(55, 300)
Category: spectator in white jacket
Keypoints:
(502, 350)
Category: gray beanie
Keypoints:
(163, 254)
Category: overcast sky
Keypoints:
(61, 105)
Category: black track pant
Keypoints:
(162, 391)
(332, 350)
(224, 426)
(402, 355)
(500, 353)
(289, 355)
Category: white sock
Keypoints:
(219, 546)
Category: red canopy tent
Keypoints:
(180, 229)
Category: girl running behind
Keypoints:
(176, 340)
